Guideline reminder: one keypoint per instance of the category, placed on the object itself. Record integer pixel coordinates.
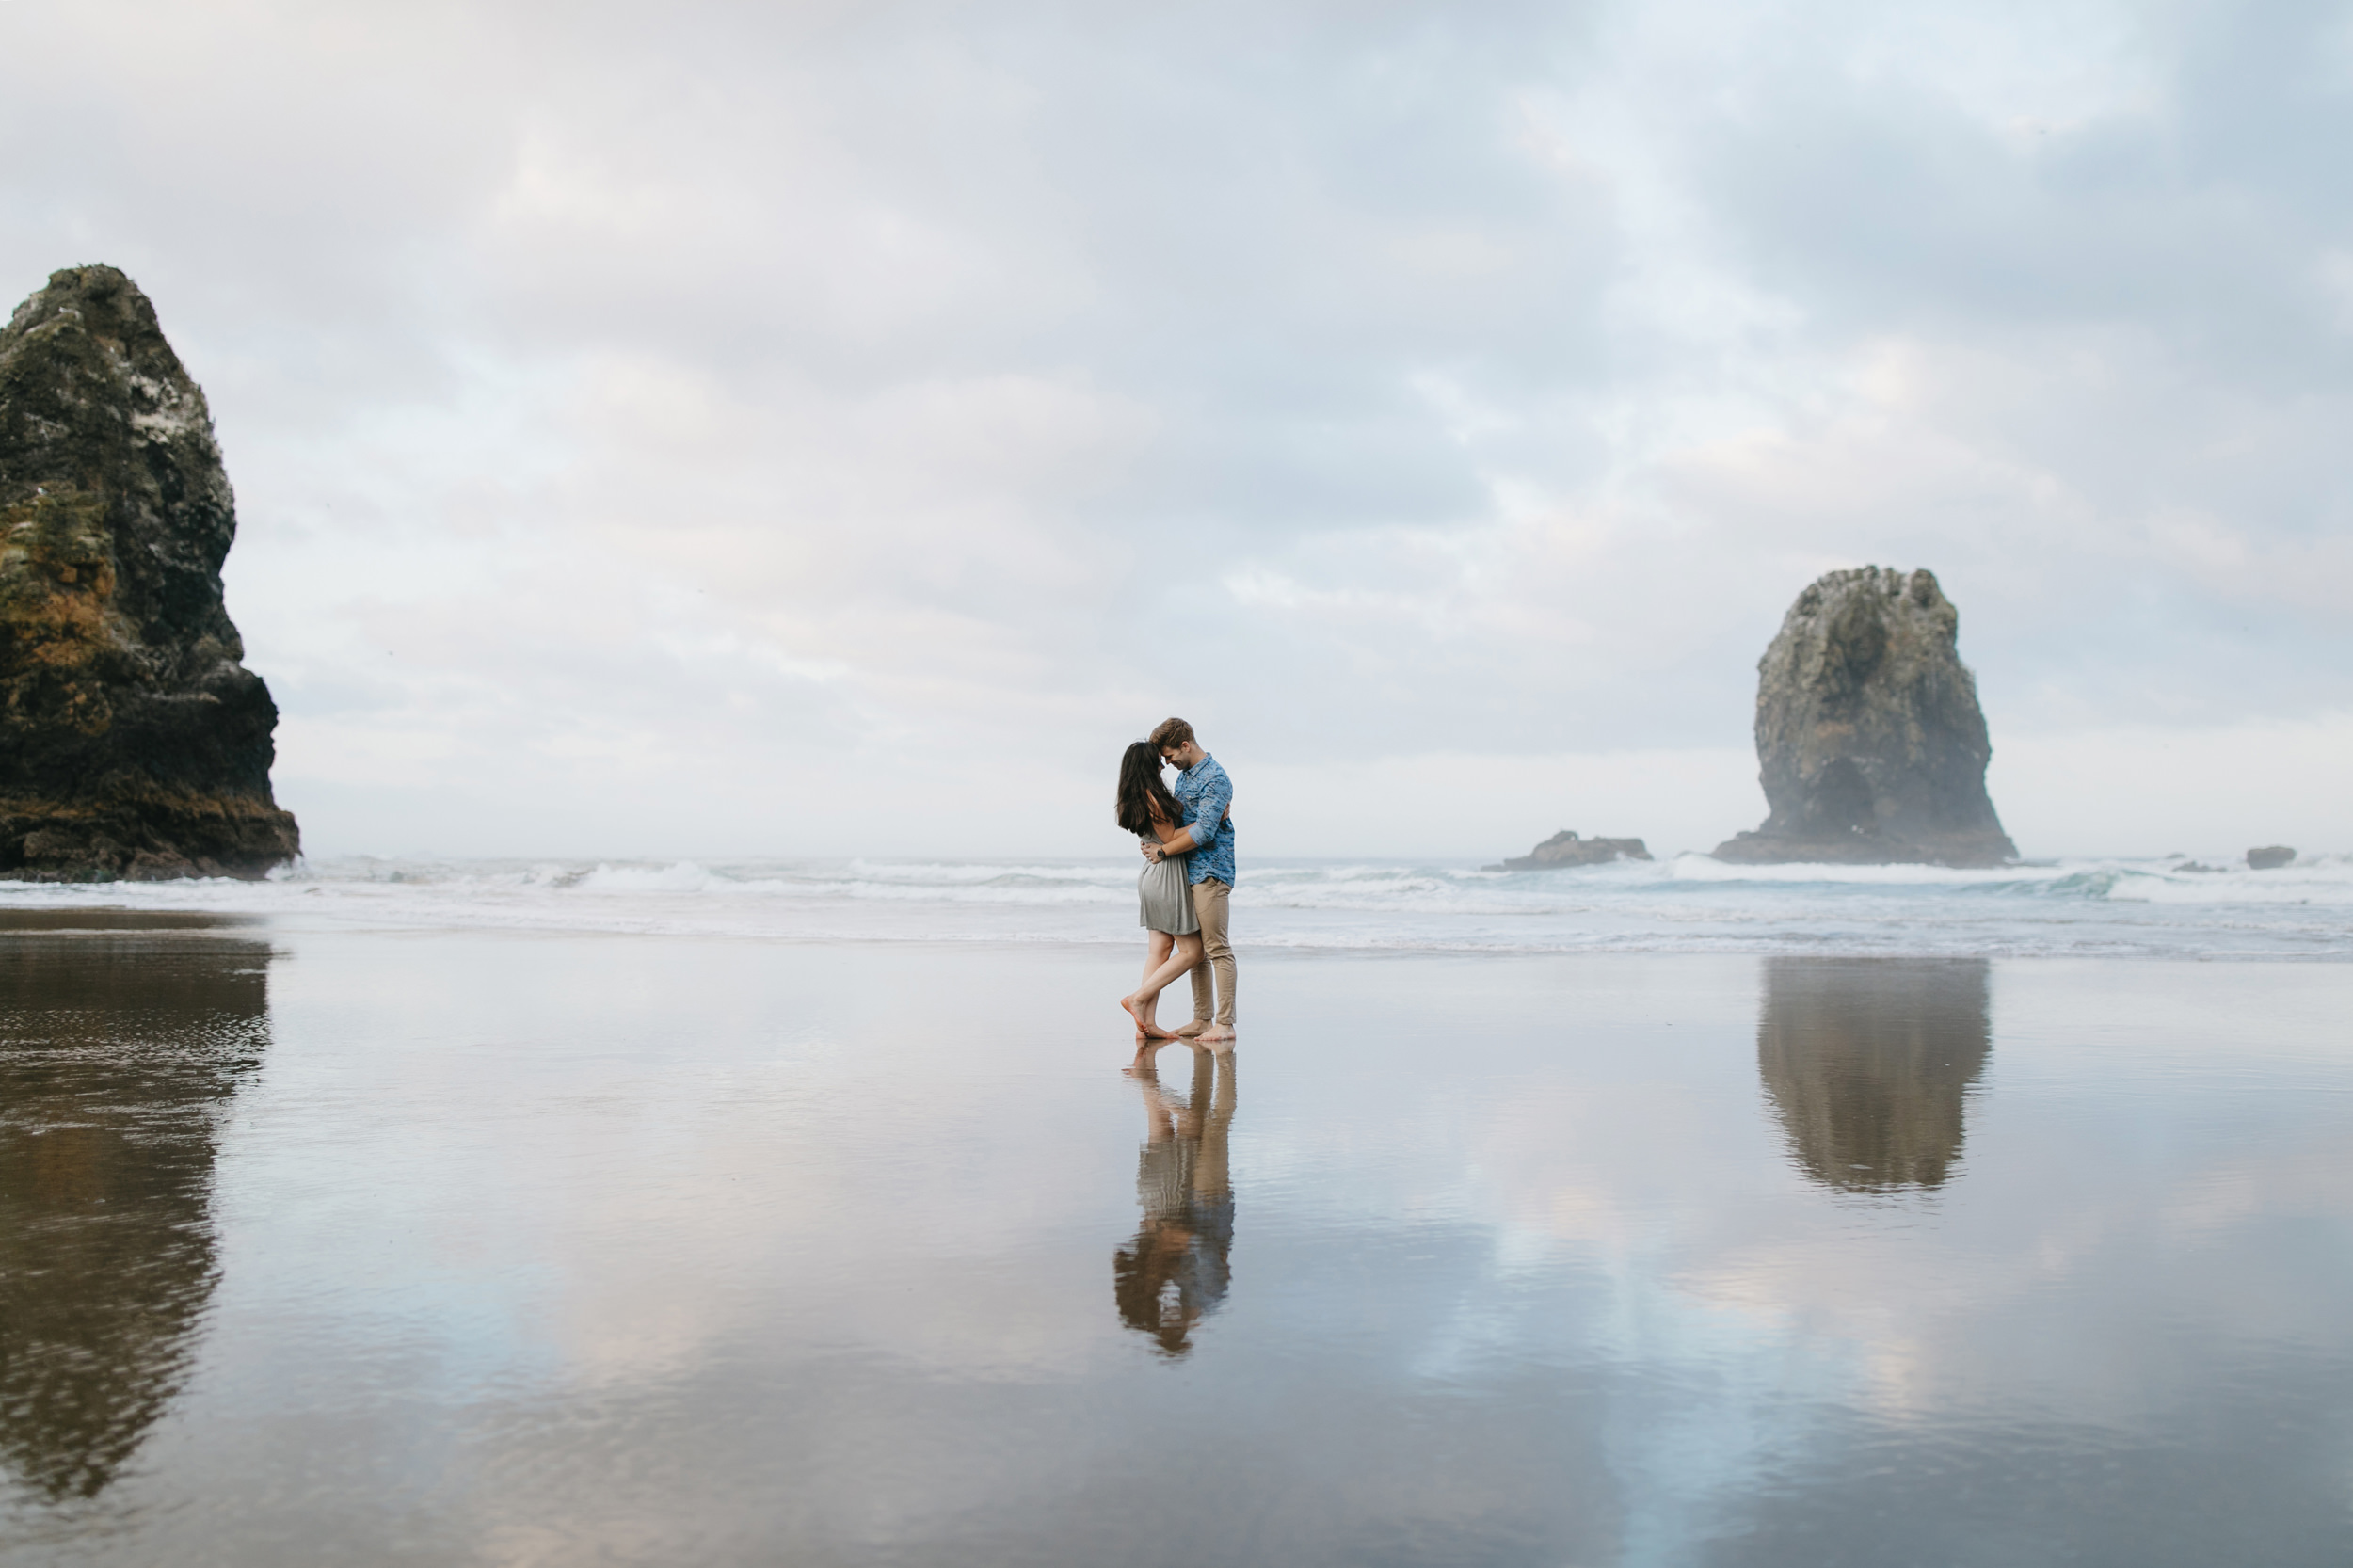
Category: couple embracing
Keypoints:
(1187, 843)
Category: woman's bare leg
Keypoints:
(1145, 1008)
(1186, 954)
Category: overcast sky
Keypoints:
(828, 428)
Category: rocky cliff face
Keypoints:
(133, 742)
(1871, 745)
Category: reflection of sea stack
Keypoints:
(114, 1058)
(1868, 1062)
(1869, 740)
(134, 743)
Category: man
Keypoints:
(1209, 871)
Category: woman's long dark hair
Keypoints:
(1141, 789)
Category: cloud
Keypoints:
(731, 415)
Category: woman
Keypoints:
(1148, 810)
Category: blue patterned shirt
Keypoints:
(1209, 792)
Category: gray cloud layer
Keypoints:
(720, 427)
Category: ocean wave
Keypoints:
(1689, 902)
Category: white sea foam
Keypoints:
(1689, 902)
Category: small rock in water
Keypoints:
(1565, 848)
(2270, 857)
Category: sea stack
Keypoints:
(1869, 740)
(133, 742)
(1565, 848)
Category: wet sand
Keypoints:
(378, 1248)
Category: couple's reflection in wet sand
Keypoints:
(1176, 1270)
(1869, 1064)
(118, 1050)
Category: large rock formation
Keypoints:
(1565, 848)
(132, 744)
(1870, 743)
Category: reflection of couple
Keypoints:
(1188, 842)
(1176, 1271)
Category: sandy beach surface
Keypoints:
(357, 1246)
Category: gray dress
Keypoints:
(1165, 898)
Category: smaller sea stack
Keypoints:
(1565, 848)
(1872, 748)
(133, 742)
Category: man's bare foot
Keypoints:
(1216, 1034)
(1146, 1028)
(1188, 1031)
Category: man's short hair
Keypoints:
(1170, 733)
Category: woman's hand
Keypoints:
(1175, 840)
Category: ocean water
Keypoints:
(2167, 908)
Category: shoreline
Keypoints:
(121, 920)
(2106, 911)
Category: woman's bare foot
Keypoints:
(1146, 1028)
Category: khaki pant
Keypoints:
(1208, 907)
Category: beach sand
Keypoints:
(377, 1247)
